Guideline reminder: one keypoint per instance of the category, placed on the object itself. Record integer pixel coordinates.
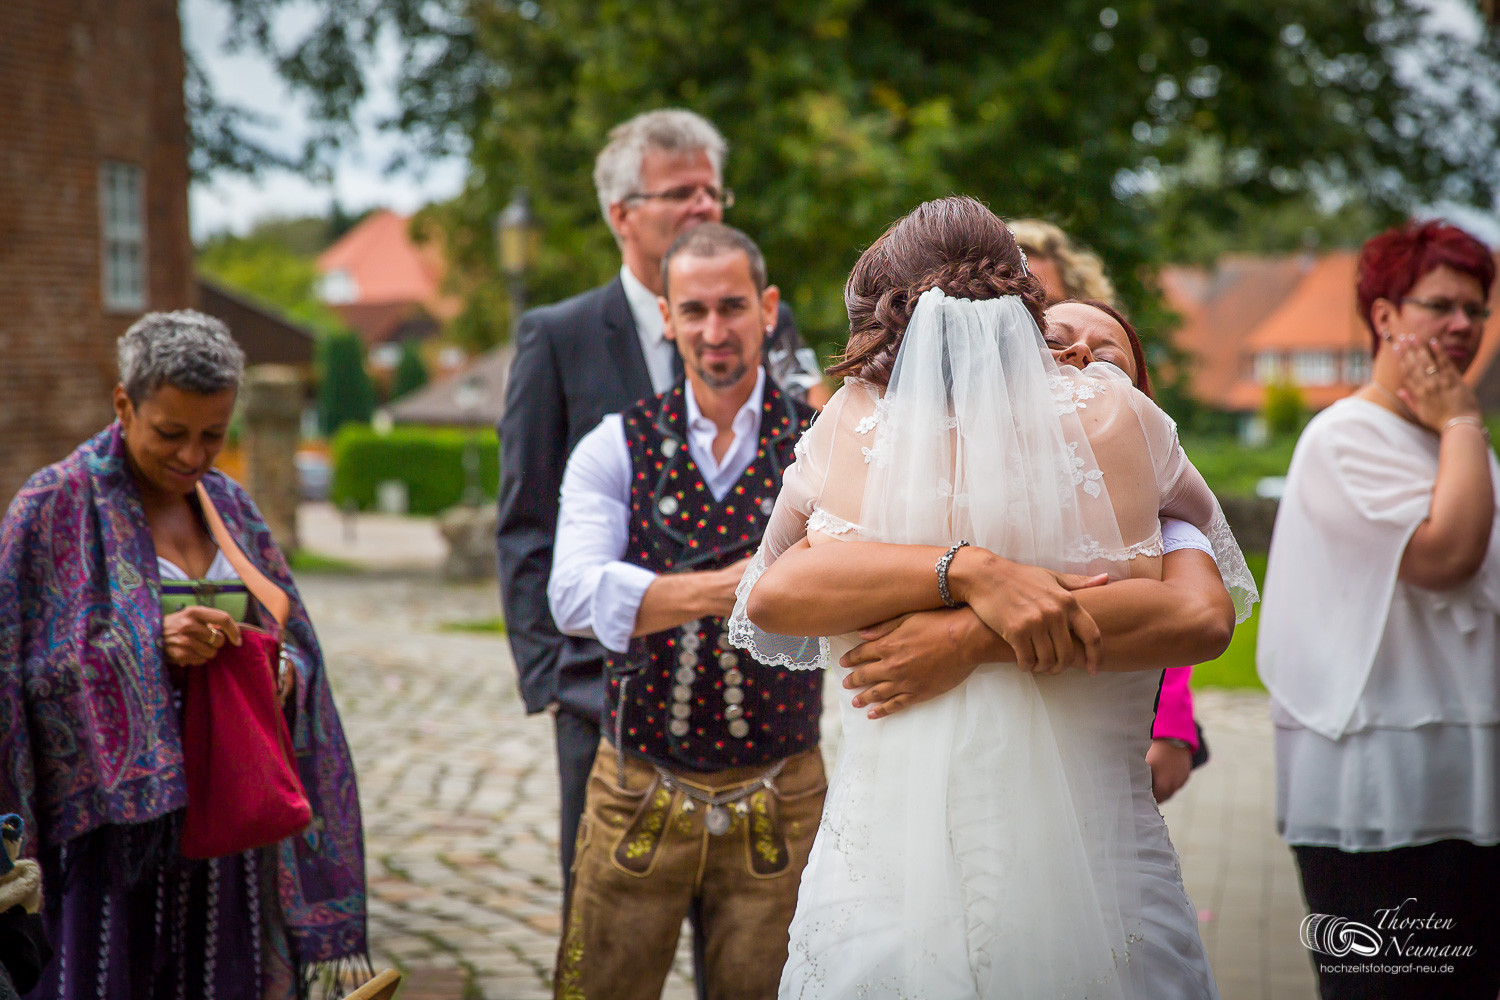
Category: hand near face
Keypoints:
(194, 635)
(1431, 386)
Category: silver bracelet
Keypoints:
(942, 574)
(1454, 421)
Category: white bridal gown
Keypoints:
(1000, 841)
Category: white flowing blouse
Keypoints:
(1385, 696)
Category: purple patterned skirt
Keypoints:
(131, 919)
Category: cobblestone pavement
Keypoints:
(460, 804)
(457, 786)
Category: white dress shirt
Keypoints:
(592, 591)
(659, 351)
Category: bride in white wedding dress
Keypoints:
(1000, 840)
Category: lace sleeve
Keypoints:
(1186, 496)
(802, 506)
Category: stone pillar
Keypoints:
(271, 426)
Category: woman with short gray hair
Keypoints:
(112, 590)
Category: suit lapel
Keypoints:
(623, 344)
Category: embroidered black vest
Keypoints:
(684, 696)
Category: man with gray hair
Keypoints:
(576, 361)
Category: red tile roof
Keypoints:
(1220, 309)
(387, 267)
(1287, 305)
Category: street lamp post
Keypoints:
(518, 237)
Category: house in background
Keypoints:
(94, 198)
(472, 397)
(1250, 323)
(385, 286)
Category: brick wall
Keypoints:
(81, 81)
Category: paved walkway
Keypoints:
(460, 796)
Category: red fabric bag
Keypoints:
(242, 785)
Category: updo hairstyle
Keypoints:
(954, 244)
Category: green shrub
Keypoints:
(1232, 468)
(430, 461)
(1285, 410)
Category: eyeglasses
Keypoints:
(683, 195)
(1473, 312)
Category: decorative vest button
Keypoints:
(686, 675)
(681, 692)
(681, 711)
(739, 729)
(678, 727)
(733, 696)
(667, 506)
(732, 712)
(728, 660)
(733, 677)
(687, 658)
(690, 632)
(669, 447)
(767, 505)
(691, 642)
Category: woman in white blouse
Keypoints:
(1378, 643)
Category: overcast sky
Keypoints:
(236, 203)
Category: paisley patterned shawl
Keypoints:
(88, 731)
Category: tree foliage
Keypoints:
(1141, 127)
(411, 372)
(346, 394)
(264, 266)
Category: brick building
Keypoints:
(93, 209)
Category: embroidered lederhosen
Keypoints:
(688, 698)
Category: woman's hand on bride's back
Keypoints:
(1031, 608)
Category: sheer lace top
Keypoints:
(1137, 468)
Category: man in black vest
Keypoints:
(709, 784)
(577, 360)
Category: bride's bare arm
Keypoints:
(1185, 618)
(838, 587)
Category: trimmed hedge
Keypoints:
(430, 461)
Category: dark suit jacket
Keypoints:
(576, 361)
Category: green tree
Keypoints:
(265, 268)
(1137, 126)
(411, 373)
(1284, 409)
(345, 392)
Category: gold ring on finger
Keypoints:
(216, 634)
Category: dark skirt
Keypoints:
(1453, 880)
(130, 918)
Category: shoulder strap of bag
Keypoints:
(261, 586)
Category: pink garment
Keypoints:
(1174, 710)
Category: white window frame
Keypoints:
(1356, 367)
(122, 236)
(1268, 367)
(1315, 367)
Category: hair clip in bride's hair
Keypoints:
(1024, 268)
